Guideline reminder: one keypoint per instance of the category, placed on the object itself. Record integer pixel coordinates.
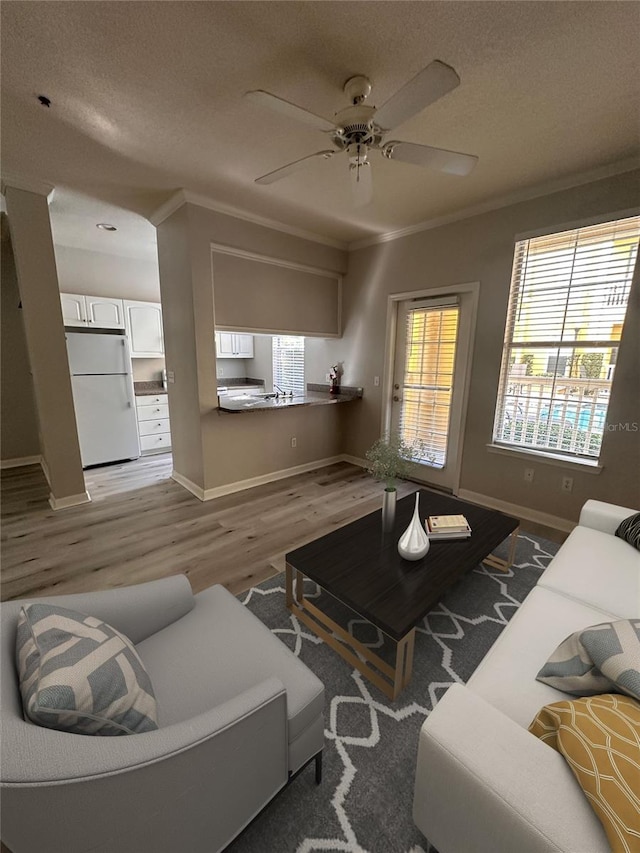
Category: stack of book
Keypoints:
(448, 527)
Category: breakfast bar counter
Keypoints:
(315, 395)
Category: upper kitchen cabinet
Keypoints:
(97, 311)
(230, 345)
(105, 312)
(143, 322)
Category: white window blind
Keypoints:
(569, 295)
(288, 363)
(428, 379)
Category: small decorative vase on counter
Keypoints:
(414, 542)
(388, 509)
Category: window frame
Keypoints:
(277, 367)
(515, 340)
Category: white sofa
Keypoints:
(483, 783)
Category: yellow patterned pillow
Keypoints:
(600, 738)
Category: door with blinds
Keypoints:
(428, 385)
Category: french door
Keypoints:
(429, 381)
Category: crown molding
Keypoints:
(31, 186)
(170, 206)
(526, 194)
(183, 196)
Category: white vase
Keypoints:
(388, 509)
(414, 542)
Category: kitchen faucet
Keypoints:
(284, 393)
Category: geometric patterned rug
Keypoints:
(365, 800)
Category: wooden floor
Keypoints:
(141, 525)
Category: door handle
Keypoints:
(397, 387)
(397, 399)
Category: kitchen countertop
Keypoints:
(242, 404)
(140, 389)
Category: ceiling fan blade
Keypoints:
(361, 183)
(283, 171)
(451, 162)
(427, 86)
(272, 102)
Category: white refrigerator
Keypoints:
(103, 398)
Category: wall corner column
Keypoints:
(30, 228)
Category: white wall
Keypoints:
(235, 368)
(100, 274)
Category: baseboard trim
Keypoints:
(524, 512)
(45, 470)
(354, 460)
(263, 479)
(19, 461)
(69, 501)
(187, 484)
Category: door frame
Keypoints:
(469, 293)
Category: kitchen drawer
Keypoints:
(151, 400)
(154, 427)
(155, 442)
(153, 413)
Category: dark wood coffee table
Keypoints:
(359, 565)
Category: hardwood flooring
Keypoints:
(141, 525)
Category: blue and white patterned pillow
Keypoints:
(78, 674)
(604, 658)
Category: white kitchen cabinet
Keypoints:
(105, 312)
(143, 322)
(154, 429)
(230, 345)
(99, 312)
(74, 309)
(244, 346)
(224, 345)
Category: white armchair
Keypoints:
(239, 714)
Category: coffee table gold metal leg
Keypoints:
(512, 547)
(404, 662)
(288, 585)
(408, 664)
(396, 678)
(498, 562)
(299, 588)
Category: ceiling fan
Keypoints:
(361, 128)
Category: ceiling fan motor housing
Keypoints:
(355, 124)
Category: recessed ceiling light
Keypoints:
(104, 226)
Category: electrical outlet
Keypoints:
(220, 372)
(294, 441)
(528, 475)
(567, 484)
(171, 377)
(376, 381)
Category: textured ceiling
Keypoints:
(147, 98)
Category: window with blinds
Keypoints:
(431, 337)
(569, 295)
(288, 363)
